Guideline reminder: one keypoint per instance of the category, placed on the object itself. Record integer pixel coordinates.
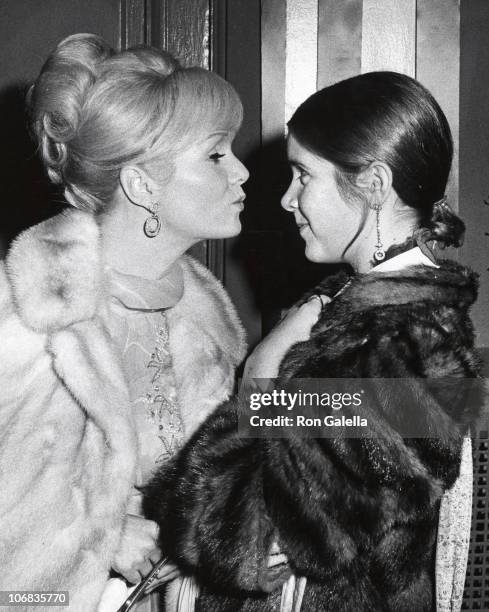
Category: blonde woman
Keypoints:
(114, 345)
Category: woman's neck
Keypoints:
(127, 249)
(396, 224)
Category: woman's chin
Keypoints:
(235, 230)
(228, 231)
(314, 254)
(317, 255)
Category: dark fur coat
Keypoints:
(357, 517)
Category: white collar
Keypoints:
(413, 257)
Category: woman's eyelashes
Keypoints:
(216, 156)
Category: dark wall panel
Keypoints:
(239, 60)
(28, 31)
(474, 150)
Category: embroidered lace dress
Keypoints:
(139, 327)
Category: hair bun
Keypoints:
(148, 60)
(445, 226)
(55, 101)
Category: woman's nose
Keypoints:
(239, 172)
(289, 200)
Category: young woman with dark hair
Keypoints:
(355, 519)
(393, 120)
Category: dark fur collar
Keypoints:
(450, 284)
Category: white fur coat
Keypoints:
(68, 450)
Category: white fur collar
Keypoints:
(207, 303)
(56, 271)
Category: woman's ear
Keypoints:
(376, 179)
(137, 185)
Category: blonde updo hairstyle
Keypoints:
(94, 110)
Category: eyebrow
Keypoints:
(219, 133)
(296, 164)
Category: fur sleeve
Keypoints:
(340, 503)
(224, 501)
(210, 506)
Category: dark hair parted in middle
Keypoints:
(391, 118)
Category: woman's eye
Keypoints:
(302, 176)
(216, 156)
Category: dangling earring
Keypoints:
(152, 225)
(379, 253)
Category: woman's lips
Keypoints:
(239, 203)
